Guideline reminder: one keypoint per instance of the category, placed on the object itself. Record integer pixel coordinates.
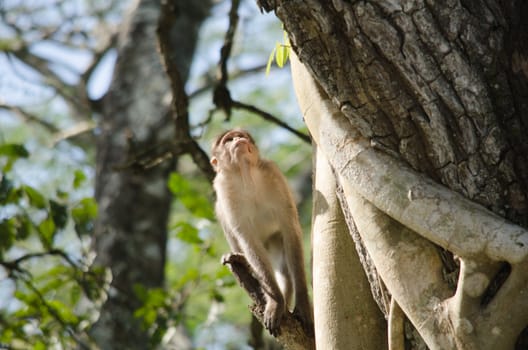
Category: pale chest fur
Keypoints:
(250, 202)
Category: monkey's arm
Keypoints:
(257, 257)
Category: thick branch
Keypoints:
(342, 296)
(382, 191)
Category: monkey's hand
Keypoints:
(273, 313)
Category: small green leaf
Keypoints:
(187, 233)
(282, 55)
(190, 195)
(75, 294)
(63, 195)
(7, 233)
(83, 215)
(47, 231)
(78, 178)
(140, 291)
(5, 188)
(24, 227)
(59, 214)
(191, 274)
(39, 345)
(36, 198)
(211, 251)
(270, 60)
(24, 297)
(14, 150)
(156, 297)
(63, 311)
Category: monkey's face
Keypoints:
(232, 148)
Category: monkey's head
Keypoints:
(232, 148)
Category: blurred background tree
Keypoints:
(107, 233)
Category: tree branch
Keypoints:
(209, 84)
(179, 104)
(269, 117)
(435, 212)
(225, 51)
(341, 292)
(26, 116)
(389, 201)
(292, 334)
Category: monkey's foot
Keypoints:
(306, 321)
(273, 313)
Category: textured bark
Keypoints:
(434, 83)
(409, 95)
(130, 233)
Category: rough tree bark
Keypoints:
(421, 110)
(134, 201)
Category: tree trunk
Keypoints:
(134, 201)
(342, 294)
(421, 110)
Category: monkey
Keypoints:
(257, 212)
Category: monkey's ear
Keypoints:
(214, 163)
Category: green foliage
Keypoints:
(157, 311)
(79, 179)
(187, 233)
(12, 152)
(49, 283)
(190, 193)
(83, 214)
(195, 276)
(280, 53)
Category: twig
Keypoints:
(209, 84)
(267, 116)
(225, 52)
(26, 116)
(55, 314)
(15, 264)
(221, 95)
(179, 105)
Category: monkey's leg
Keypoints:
(277, 255)
(295, 262)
